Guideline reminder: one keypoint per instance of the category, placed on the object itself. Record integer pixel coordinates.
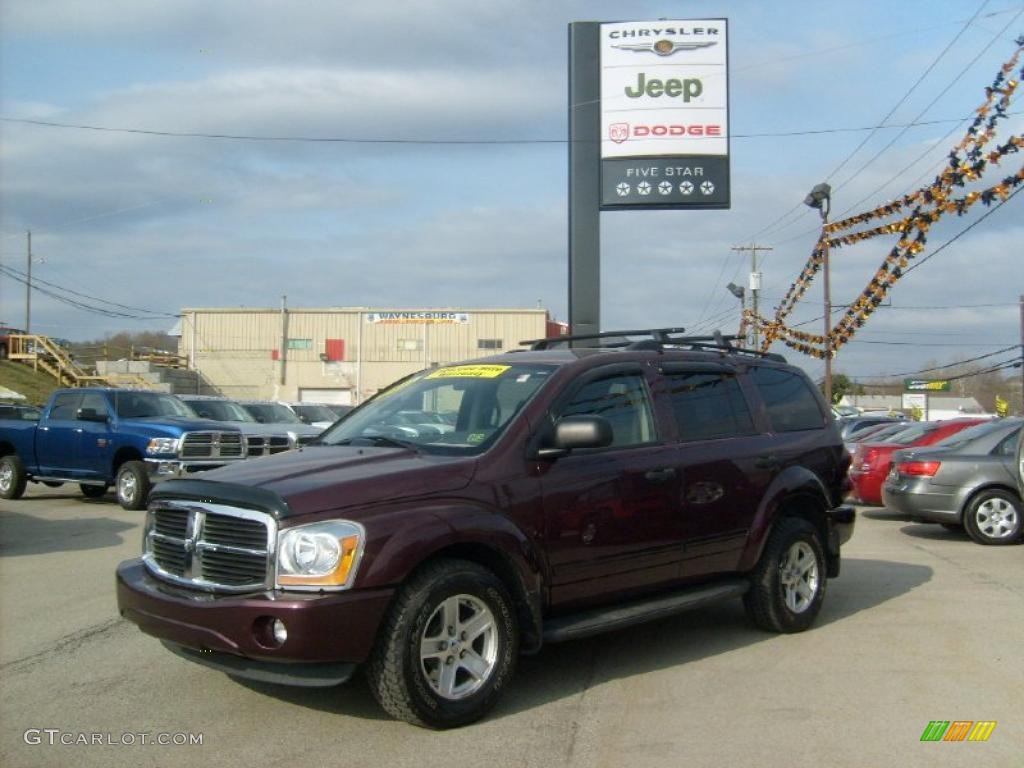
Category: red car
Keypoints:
(871, 461)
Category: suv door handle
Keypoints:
(768, 461)
(660, 475)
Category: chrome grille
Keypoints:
(210, 546)
(262, 446)
(212, 445)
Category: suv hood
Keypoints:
(173, 426)
(339, 477)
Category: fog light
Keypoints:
(280, 632)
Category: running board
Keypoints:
(56, 479)
(606, 619)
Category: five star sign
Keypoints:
(665, 187)
(686, 187)
(622, 189)
(643, 188)
(707, 188)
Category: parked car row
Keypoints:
(98, 437)
(962, 473)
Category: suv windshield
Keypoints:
(460, 409)
(143, 405)
(271, 413)
(220, 410)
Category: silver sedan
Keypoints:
(968, 480)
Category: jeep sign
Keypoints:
(664, 114)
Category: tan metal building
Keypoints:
(341, 355)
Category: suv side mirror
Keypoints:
(91, 414)
(574, 432)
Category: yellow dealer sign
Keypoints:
(469, 372)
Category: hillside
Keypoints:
(36, 387)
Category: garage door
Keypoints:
(332, 396)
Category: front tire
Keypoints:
(132, 485)
(448, 648)
(788, 585)
(12, 477)
(994, 517)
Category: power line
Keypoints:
(87, 296)
(932, 103)
(449, 142)
(948, 365)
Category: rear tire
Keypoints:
(132, 485)
(12, 477)
(788, 585)
(448, 647)
(994, 517)
(93, 491)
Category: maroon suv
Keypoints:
(470, 513)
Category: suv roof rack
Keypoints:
(657, 339)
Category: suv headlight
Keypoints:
(320, 555)
(162, 445)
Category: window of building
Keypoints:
(789, 400)
(490, 344)
(709, 406)
(300, 343)
(410, 345)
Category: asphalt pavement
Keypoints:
(922, 625)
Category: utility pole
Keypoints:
(754, 285)
(28, 285)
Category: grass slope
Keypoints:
(35, 386)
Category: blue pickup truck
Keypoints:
(102, 437)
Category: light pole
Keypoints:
(821, 198)
(739, 292)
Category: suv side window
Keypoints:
(708, 406)
(623, 400)
(790, 402)
(65, 405)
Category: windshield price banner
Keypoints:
(664, 114)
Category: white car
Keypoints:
(315, 414)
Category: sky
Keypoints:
(159, 223)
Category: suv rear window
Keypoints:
(790, 402)
(708, 406)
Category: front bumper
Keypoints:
(328, 633)
(165, 469)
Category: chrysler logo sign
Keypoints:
(618, 132)
(663, 47)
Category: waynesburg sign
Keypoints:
(664, 114)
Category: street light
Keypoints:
(820, 198)
(740, 293)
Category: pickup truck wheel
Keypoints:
(132, 485)
(447, 650)
(12, 477)
(788, 584)
(994, 517)
(93, 491)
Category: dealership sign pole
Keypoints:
(648, 128)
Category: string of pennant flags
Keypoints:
(919, 210)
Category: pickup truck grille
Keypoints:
(263, 446)
(210, 546)
(212, 445)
